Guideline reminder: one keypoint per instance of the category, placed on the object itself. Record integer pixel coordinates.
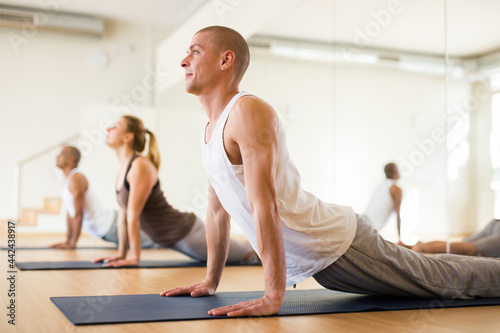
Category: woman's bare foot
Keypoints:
(252, 258)
(400, 243)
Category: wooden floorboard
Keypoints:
(36, 313)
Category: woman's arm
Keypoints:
(122, 240)
(122, 233)
(141, 178)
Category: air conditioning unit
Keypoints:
(50, 20)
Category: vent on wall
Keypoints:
(40, 19)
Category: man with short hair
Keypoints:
(385, 200)
(253, 180)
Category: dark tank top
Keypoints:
(164, 224)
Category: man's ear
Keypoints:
(227, 60)
(71, 161)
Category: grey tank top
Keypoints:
(164, 224)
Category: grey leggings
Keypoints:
(487, 241)
(375, 266)
(194, 245)
(112, 236)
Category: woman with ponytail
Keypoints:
(144, 207)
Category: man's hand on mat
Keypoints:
(205, 288)
(62, 246)
(257, 307)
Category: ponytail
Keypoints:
(153, 151)
(136, 127)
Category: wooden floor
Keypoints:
(36, 313)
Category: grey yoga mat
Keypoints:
(91, 310)
(60, 265)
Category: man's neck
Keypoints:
(67, 170)
(214, 104)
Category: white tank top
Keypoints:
(315, 234)
(381, 205)
(97, 220)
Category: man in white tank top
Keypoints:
(84, 209)
(385, 200)
(253, 180)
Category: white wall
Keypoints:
(482, 196)
(51, 91)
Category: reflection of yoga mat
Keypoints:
(59, 265)
(153, 307)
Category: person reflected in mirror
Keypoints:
(253, 180)
(386, 200)
(485, 243)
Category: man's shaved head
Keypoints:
(391, 171)
(224, 39)
(75, 153)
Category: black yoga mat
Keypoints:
(60, 265)
(91, 310)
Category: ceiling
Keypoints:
(415, 26)
(412, 26)
(167, 13)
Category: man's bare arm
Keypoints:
(218, 229)
(253, 128)
(218, 235)
(69, 232)
(78, 187)
(141, 178)
(69, 223)
(397, 198)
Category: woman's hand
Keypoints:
(62, 246)
(117, 261)
(122, 263)
(204, 288)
